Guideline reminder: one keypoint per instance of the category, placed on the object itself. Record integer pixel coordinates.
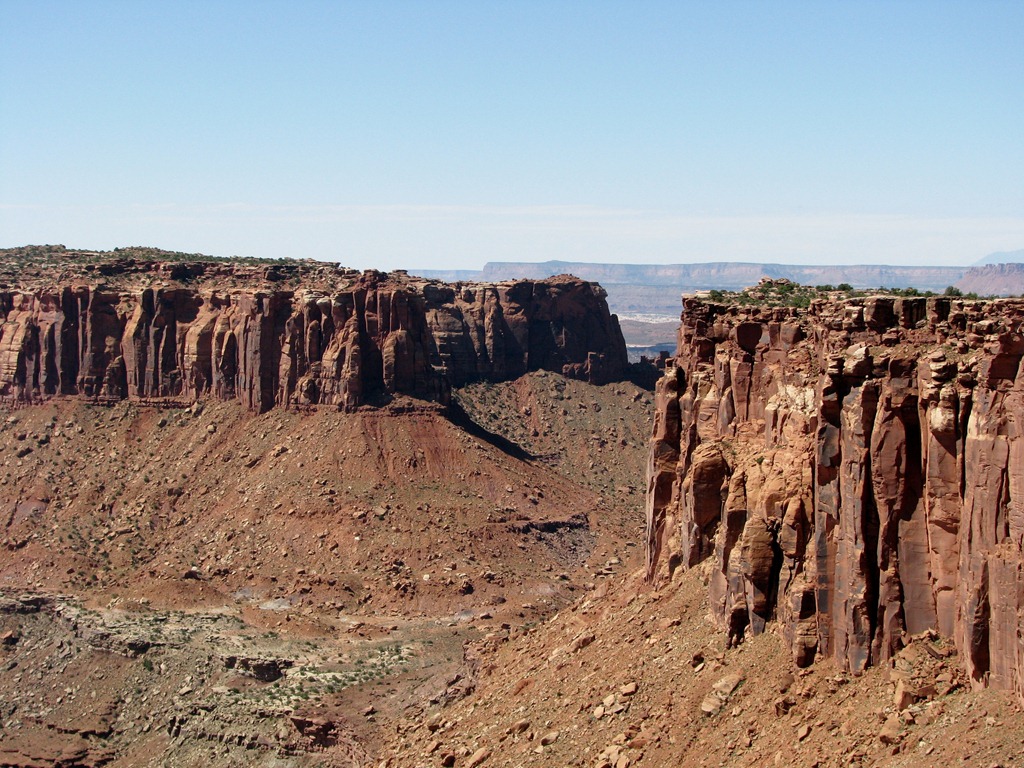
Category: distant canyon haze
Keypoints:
(646, 297)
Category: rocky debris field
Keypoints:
(590, 434)
(384, 509)
(629, 676)
(238, 589)
(128, 685)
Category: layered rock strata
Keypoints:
(993, 279)
(853, 471)
(278, 337)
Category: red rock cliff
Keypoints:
(853, 471)
(286, 334)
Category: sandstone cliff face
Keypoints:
(335, 338)
(853, 471)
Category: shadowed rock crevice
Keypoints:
(458, 416)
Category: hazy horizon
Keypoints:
(446, 135)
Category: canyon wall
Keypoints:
(281, 336)
(853, 472)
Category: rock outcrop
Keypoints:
(293, 334)
(853, 471)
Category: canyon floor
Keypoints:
(404, 586)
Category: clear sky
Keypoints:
(435, 134)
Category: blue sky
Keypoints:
(446, 134)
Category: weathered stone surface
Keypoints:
(265, 670)
(853, 471)
(336, 338)
(720, 693)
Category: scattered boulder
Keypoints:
(890, 731)
(720, 693)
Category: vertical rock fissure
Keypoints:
(169, 378)
(875, 532)
(966, 407)
(979, 612)
(775, 574)
(69, 355)
(662, 463)
(827, 502)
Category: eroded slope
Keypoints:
(360, 549)
(630, 676)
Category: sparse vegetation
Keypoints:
(786, 293)
(53, 255)
(953, 292)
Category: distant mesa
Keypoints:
(654, 289)
(721, 274)
(998, 274)
(1002, 257)
(1002, 279)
